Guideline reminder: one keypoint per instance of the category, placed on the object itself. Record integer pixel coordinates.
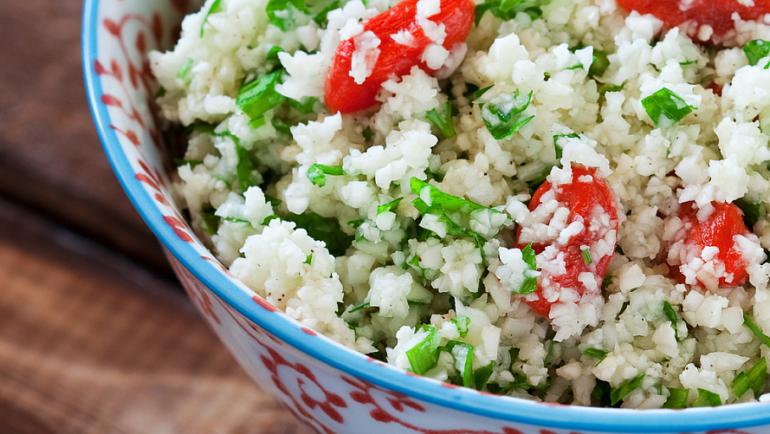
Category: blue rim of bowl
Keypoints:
(508, 409)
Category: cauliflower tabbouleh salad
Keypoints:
(559, 200)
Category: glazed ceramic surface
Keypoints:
(331, 388)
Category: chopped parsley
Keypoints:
(505, 116)
(258, 96)
(756, 50)
(462, 322)
(323, 229)
(248, 175)
(530, 283)
(752, 211)
(666, 108)
(282, 13)
(625, 388)
(443, 120)
(677, 398)
(317, 173)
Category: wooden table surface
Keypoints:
(96, 335)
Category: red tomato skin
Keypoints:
(581, 198)
(342, 94)
(716, 13)
(718, 231)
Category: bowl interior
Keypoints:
(116, 36)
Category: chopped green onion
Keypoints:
(281, 15)
(305, 106)
(481, 376)
(462, 322)
(751, 211)
(587, 257)
(216, 6)
(236, 220)
(259, 96)
(390, 206)
(479, 92)
(666, 108)
(756, 50)
(281, 126)
(248, 175)
(443, 121)
(209, 221)
(595, 352)
(323, 229)
(360, 307)
(424, 356)
(748, 321)
(463, 355)
(184, 70)
(753, 379)
(506, 117)
(677, 398)
(707, 399)
(625, 388)
(269, 218)
(433, 196)
(317, 173)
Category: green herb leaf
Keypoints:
(317, 173)
(433, 196)
(756, 50)
(161, 92)
(443, 121)
(530, 283)
(216, 6)
(368, 134)
(462, 322)
(320, 18)
(666, 108)
(481, 9)
(281, 13)
(752, 379)
(184, 71)
(209, 221)
(259, 96)
(601, 393)
(272, 55)
(269, 218)
(479, 92)
(707, 399)
(625, 388)
(274, 201)
(595, 352)
(390, 206)
(281, 126)
(507, 9)
(424, 356)
(748, 321)
(356, 223)
(670, 313)
(323, 229)
(751, 211)
(677, 398)
(600, 64)
(248, 175)
(556, 143)
(481, 376)
(182, 162)
(607, 87)
(587, 257)
(506, 117)
(360, 307)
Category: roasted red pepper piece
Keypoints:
(717, 230)
(341, 92)
(715, 13)
(592, 203)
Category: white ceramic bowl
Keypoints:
(329, 387)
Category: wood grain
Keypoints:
(91, 343)
(50, 156)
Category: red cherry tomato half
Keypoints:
(590, 202)
(718, 230)
(342, 94)
(715, 13)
